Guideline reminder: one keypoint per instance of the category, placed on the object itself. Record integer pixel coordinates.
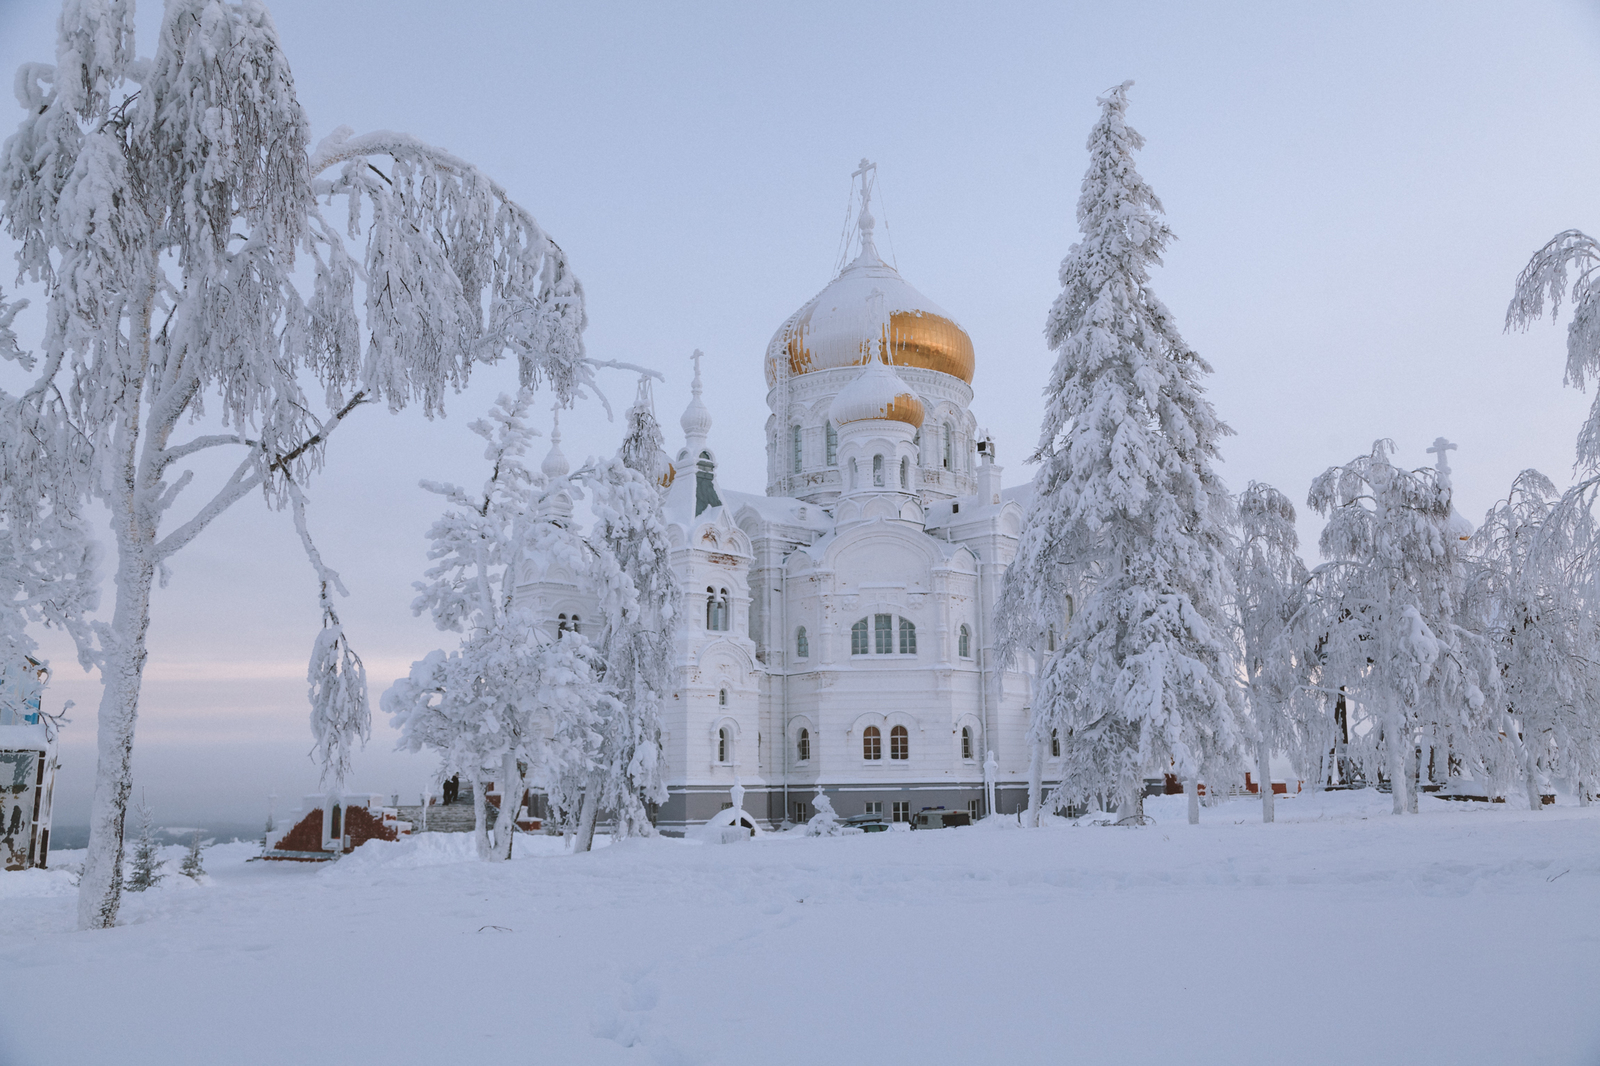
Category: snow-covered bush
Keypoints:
(825, 823)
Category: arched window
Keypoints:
(803, 747)
(802, 646)
(899, 743)
(871, 743)
(722, 697)
(563, 624)
(883, 633)
(797, 453)
(949, 446)
(833, 444)
(908, 637)
(1055, 744)
(852, 473)
(724, 745)
(877, 471)
(964, 643)
(716, 610)
(576, 628)
(966, 742)
(858, 638)
(905, 473)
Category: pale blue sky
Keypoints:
(1354, 189)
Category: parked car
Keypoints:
(867, 823)
(939, 818)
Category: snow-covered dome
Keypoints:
(867, 310)
(876, 392)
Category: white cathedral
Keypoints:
(836, 629)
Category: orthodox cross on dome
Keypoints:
(555, 463)
(1441, 448)
(868, 173)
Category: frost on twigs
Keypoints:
(1129, 520)
(165, 210)
(1567, 264)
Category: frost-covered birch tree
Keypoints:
(1271, 582)
(213, 284)
(1384, 618)
(637, 593)
(1127, 504)
(1567, 266)
(1535, 568)
(512, 704)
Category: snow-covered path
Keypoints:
(1338, 935)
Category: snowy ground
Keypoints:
(1340, 935)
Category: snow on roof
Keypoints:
(780, 510)
(24, 736)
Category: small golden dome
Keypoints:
(876, 393)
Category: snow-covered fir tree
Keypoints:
(1270, 581)
(511, 704)
(194, 866)
(1535, 568)
(1128, 507)
(168, 208)
(146, 872)
(1384, 627)
(825, 823)
(637, 591)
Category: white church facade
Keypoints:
(836, 628)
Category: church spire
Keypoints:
(696, 420)
(868, 173)
(555, 463)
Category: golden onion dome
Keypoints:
(876, 393)
(867, 311)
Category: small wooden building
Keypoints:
(335, 824)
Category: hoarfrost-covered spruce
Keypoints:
(1270, 582)
(165, 207)
(1128, 511)
(1385, 627)
(194, 866)
(512, 704)
(146, 872)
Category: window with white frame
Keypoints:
(966, 742)
(802, 646)
(833, 444)
(902, 811)
(858, 638)
(964, 643)
(873, 807)
(899, 743)
(724, 745)
(716, 609)
(908, 637)
(883, 633)
(803, 746)
(871, 744)
(877, 471)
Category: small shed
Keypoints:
(335, 824)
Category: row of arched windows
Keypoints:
(883, 636)
(883, 632)
(879, 478)
(831, 437)
(872, 743)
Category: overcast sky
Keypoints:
(1354, 189)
